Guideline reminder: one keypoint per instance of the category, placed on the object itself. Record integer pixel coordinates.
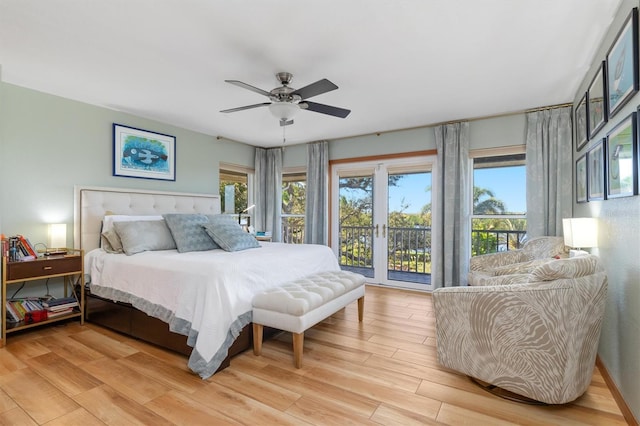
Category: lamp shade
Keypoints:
(284, 110)
(580, 232)
(57, 235)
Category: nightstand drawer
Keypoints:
(40, 268)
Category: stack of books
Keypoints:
(59, 307)
(263, 234)
(18, 248)
(18, 308)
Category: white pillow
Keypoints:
(108, 220)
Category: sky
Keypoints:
(507, 184)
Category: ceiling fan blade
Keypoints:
(324, 109)
(249, 87)
(246, 107)
(315, 89)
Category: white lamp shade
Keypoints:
(57, 235)
(284, 110)
(580, 232)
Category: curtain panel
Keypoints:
(549, 171)
(317, 205)
(268, 191)
(451, 239)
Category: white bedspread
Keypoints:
(205, 295)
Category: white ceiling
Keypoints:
(398, 63)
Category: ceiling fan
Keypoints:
(287, 101)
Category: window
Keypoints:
(499, 203)
(236, 191)
(294, 188)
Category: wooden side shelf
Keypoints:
(69, 267)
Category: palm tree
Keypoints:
(488, 205)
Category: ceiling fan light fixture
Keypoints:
(284, 110)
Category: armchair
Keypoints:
(533, 253)
(537, 338)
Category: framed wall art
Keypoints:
(622, 65)
(581, 123)
(143, 154)
(595, 172)
(621, 155)
(597, 102)
(581, 179)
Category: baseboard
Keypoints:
(617, 396)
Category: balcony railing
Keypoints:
(409, 249)
(490, 241)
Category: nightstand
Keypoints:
(69, 267)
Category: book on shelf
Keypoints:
(31, 251)
(55, 314)
(60, 301)
(12, 314)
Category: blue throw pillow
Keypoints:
(229, 235)
(188, 233)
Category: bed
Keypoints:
(197, 303)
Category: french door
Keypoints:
(381, 220)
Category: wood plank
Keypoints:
(16, 416)
(79, 417)
(392, 416)
(265, 391)
(129, 382)
(43, 401)
(181, 409)
(113, 408)
(174, 377)
(62, 374)
(242, 408)
(107, 346)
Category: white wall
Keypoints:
(619, 249)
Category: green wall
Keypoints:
(48, 144)
(619, 249)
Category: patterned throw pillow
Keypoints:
(573, 267)
(229, 235)
(188, 232)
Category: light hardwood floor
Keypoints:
(381, 371)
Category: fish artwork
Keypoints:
(143, 156)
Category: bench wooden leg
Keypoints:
(298, 343)
(257, 339)
(360, 308)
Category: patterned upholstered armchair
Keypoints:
(537, 338)
(533, 253)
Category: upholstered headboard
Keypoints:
(92, 203)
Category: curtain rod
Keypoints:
(484, 117)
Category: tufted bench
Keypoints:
(298, 305)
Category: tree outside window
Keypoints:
(499, 203)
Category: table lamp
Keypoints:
(57, 236)
(579, 233)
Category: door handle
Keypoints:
(376, 231)
(384, 230)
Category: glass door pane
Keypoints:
(355, 224)
(409, 227)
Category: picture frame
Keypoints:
(597, 105)
(622, 65)
(143, 154)
(581, 123)
(621, 158)
(595, 172)
(581, 179)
